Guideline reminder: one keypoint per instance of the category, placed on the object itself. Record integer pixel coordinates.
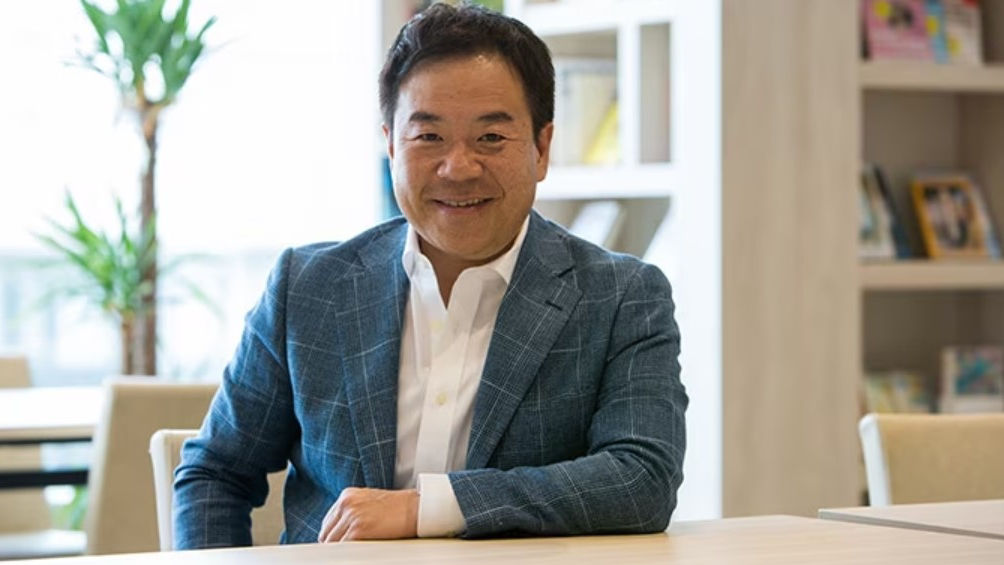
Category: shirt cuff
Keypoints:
(439, 513)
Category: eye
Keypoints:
(428, 137)
(492, 138)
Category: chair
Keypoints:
(121, 512)
(25, 523)
(267, 522)
(916, 458)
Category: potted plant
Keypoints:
(138, 46)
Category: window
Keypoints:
(274, 142)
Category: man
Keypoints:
(472, 370)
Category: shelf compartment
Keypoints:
(887, 75)
(933, 275)
(578, 182)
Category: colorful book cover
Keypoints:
(963, 31)
(972, 379)
(936, 30)
(896, 391)
(897, 30)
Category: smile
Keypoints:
(463, 203)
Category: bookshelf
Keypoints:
(664, 178)
(765, 215)
(618, 182)
(920, 116)
(934, 116)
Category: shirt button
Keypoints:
(441, 398)
(437, 326)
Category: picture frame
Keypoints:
(949, 218)
(972, 379)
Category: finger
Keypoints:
(351, 534)
(330, 519)
(340, 528)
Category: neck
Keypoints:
(448, 267)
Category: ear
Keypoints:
(388, 135)
(543, 144)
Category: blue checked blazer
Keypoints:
(578, 420)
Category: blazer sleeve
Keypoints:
(246, 434)
(627, 481)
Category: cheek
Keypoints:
(402, 176)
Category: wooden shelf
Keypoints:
(933, 275)
(573, 183)
(887, 75)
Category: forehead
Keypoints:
(458, 86)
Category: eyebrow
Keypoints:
(421, 116)
(496, 117)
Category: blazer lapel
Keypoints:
(370, 333)
(533, 312)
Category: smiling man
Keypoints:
(470, 369)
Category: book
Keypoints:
(989, 226)
(972, 379)
(963, 31)
(896, 30)
(936, 30)
(875, 228)
(584, 89)
(603, 148)
(897, 227)
(896, 391)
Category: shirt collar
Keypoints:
(504, 264)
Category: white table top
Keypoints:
(777, 540)
(49, 413)
(982, 518)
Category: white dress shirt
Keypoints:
(443, 352)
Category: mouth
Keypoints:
(468, 203)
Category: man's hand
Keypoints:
(368, 513)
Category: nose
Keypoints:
(459, 164)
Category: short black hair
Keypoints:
(443, 31)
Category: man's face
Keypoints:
(464, 160)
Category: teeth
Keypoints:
(463, 203)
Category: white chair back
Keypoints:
(267, 522)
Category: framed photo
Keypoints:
(949, 218)
(972, 379)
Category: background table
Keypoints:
(37, 415)
(776, 540)
(981, 518)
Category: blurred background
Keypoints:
(820, 180)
